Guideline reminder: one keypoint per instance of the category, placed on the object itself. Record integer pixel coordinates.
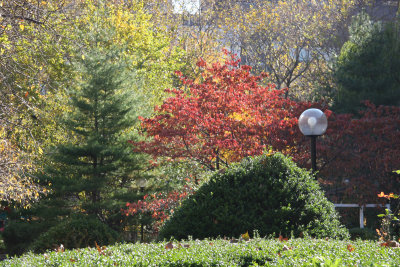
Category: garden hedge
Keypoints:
(76, 232)
(268, 193)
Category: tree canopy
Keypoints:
(222, 119)
(368, 66)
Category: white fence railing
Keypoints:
(361, 207)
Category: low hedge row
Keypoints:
(256, 252)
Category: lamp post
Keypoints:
(142, 184)
(312, 123)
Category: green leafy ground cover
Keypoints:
(256, 252)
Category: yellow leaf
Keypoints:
(83, 57)
(22, 27)
(246, 236)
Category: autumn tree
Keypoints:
(38, 39)
(33, 51)
(193, 26)
(224, 118)
(30, 35)
(16, 188)
(198, 30)
(148, 46)
(358, 154)
(117, 60)
(291, 40)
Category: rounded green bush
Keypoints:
(268, 193)
(75, 232)
(18, 235)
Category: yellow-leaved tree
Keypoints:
(148, 46)
(37, 41)
(33, 65)
(291, 40)
(193, 26)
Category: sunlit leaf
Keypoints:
(246, 236)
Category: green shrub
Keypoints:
(76, 232)
(363, 233)
(19, 235)
(267, 193)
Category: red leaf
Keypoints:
(201, 63)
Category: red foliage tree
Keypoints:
(223, 118)
(160, 206)
(358, 155)
(228, 115)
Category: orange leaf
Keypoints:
(350, 248)
(97, 246)
(26, 94)
(281, 238)
(60, 248)
(100, 249)
(382, 195)
(246, 236)
(169, 245)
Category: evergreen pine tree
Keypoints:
(368, 67)
(93, 174)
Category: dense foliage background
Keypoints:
(118, 111)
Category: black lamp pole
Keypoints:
(313, 123)
(313, 153)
